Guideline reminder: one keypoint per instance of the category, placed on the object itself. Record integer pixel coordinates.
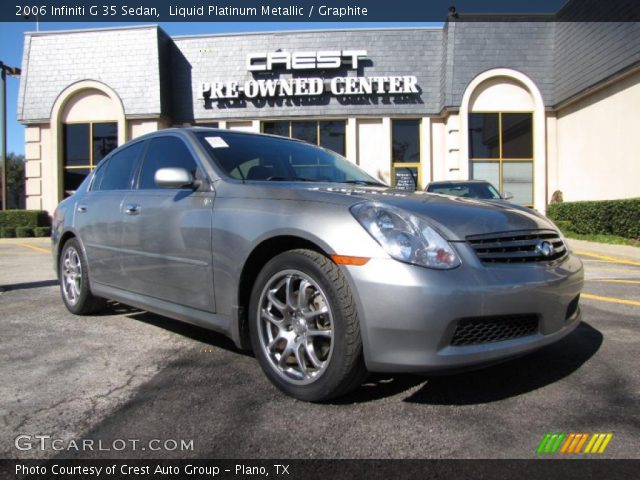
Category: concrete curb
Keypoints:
(621, 252)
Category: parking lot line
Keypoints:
(616, 270)
(610, 280)
(607, 258)
(33, 247)
(610, 299)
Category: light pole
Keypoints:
(4, 70)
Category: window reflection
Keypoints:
(84, 145)
(329, 134)
(501, 152)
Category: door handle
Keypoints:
(81, 209)
(132, 209)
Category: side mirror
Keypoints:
(173, 178)
(507, 195)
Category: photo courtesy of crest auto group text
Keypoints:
(375, 240)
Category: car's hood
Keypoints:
(455, 217)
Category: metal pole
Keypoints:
(3, 133)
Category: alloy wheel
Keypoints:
(295, 327)
(71, 275)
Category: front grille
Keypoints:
(474, 331)
(518, 247)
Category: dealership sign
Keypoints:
(308, 86)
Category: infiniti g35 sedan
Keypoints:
(321, 269)
(480, 189)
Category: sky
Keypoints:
(12, 34)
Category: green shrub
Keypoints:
(22, 232)
(607, 217)
(7, 232)
(563, 225)
(42, 231)
(24, 218)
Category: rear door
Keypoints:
(98, 214)
(167, 232)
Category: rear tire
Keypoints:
(304, 327)
(74, 281)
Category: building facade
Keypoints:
(534, 107)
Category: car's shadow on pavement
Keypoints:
(490, 384)
(28, 285)
(187, 330)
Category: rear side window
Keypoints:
(165, 152)
(97, 177)
(120, 167)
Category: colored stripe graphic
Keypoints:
(577, 443)
(605, 443)
(557, 443)
(567, 443)
(551, 442)
(598, 442)
(572, 443)
(584, 439)
(540, 448)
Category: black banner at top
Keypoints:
(318, 10)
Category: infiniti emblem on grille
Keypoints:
(546, 249)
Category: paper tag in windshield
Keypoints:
(216, 142)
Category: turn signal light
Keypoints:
(349, 260)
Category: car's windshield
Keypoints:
(468, 190)
(265, 158)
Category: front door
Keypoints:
(166, 240)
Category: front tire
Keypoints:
(304, 327)
(74, 281)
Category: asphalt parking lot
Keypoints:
(128, 374)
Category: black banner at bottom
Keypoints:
(318, 469)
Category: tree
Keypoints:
(15, 180)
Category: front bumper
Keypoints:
(408, 314)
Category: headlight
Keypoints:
(405, 237)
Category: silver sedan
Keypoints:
(322, 270)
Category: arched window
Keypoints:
(500, 133)
(89, 133)
(87, 122)
(501, 152)
(503, 122)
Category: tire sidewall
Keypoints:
(85, 290)
(335, 372)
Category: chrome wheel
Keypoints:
(71, 275)
(295, 327)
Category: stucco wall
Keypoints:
(598, 140)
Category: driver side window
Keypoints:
(165, 152)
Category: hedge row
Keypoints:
(24, 223)
(21, 232)
(24, 218)
(608, 217)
